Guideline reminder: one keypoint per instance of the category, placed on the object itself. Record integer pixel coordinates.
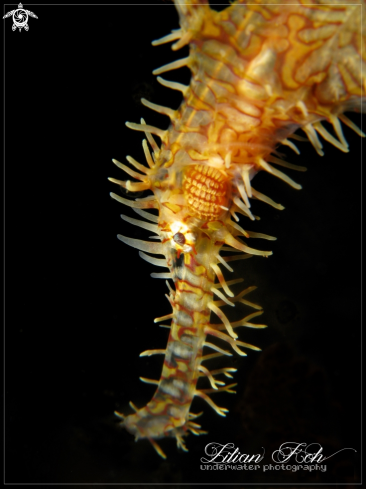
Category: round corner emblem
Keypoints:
(20, 17)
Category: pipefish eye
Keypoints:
(162, 175)
(179, 238)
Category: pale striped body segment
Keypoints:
(168, 412)
(259, 73)
(191, 255)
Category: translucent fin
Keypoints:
(147, 215)
(173, 36)
(151, 140)
(128, 170)
(163, 318)
(207, 373)
(194, 431)
(227, 388)
(222, 297)
(159, 108)
(239, 228)
(246, 180)
(351, 125)
(169, 299)
(243, 194)
(172, 66)
(170, 289)
(185, 39)
(238, 297)
(299, 138)
(279, 173)
(157, 448)
(213, 355)
(148, 157)
(154, 261)
(251, 304)
(245, 321)
(161, 275)
(223, 262)
(236, 257)
(142, 224)
(147, 129)
(151, 204)
(285, 164)
(231, 282)
(222, 281)
(157, 248)
(149, 381)
(180, 442)
(131, 186)
(291, 145)
(313, 138)
(227, 248)
(133, 406)
(338, 130)
(234, 344)
(328, 137)
(217, 348)
(223, 318)
(120, 415)
(231, 241)
(138, 165)
(135, 186)
(243, 207)
(194, 416)
(173, 85)
(149, 353)
(220, 411)
(234, 215)
(261, 236)
(224, 371)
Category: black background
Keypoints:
(80, 305)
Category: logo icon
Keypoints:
(20, 17)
